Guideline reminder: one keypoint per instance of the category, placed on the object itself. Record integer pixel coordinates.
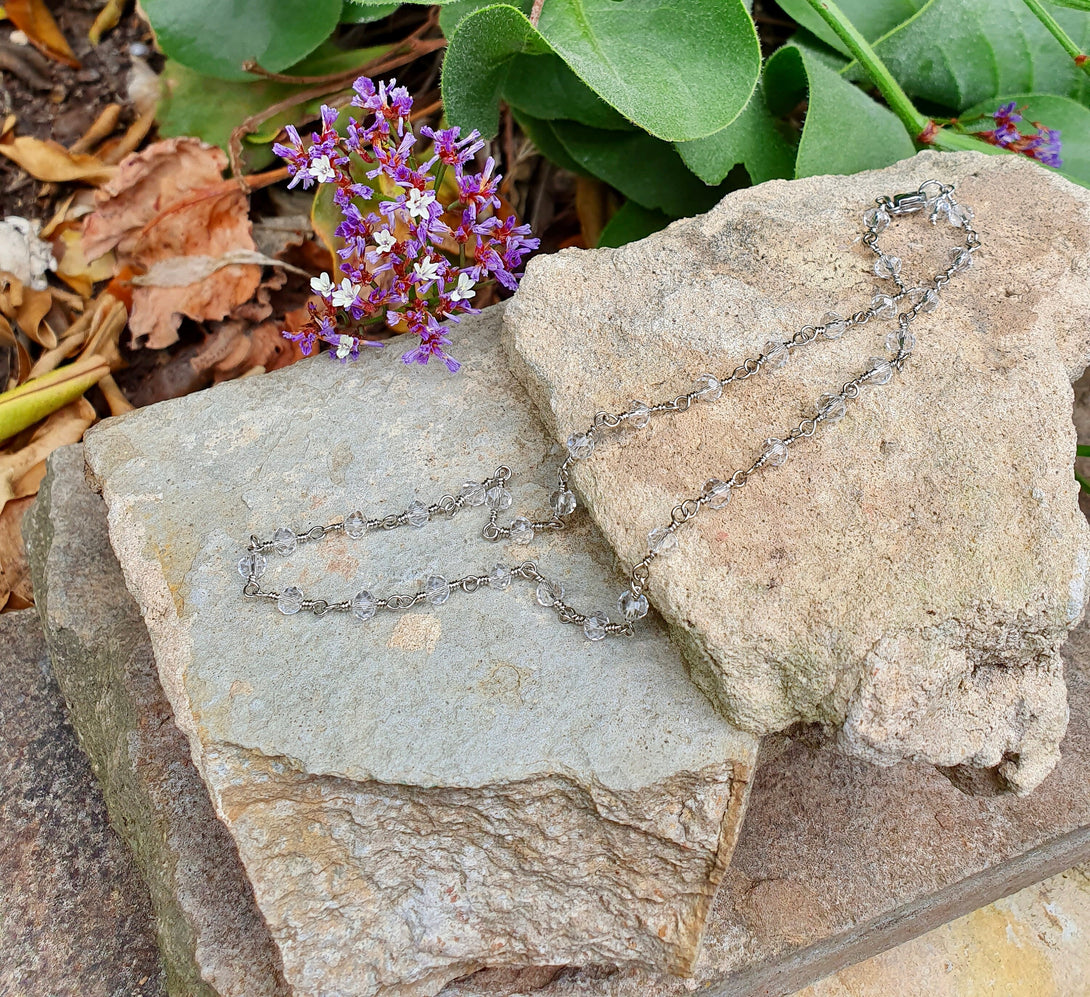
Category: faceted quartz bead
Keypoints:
(499, 577)
(776, 355)
(831, 408)
(929, 301)
(632, 606)
(580, 446)
(639, 414)
(893, 341)
(364, 605)
(662, 541)
(562, 502)
(355, 525)
(718, 493)
(522, 531)
(876, 218)
(290, 600)
(960, 215)
(594, 627)
(418, 514)
(549, 592)
(774, 452)
(708, 388)
(436, 590)
(887, 266)
(473, 493)
(881, 370)
(834, 325)
(962, 260)
(499, 498)
(252, 565)
(284, 541)
(884, 306)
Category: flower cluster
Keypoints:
(1044, 145)
(414, 260)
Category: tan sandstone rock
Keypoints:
(911, 572)
(429, 793)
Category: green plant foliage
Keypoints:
(871, 18)
(1071, 118)
(845, 131)
(216, 38)
(753, 139)
(1073, 4)
(544, 86)
(364, 11)
(631, 222)
(679, 69)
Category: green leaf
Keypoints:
(871, 18)
(681, 69)
(630, 223)
(478, 61)
(643, 168)
(845, 131)
(1073, 121)
(452, 13)
(1073, 4)
(542, 134)
(366, 11)
(544, 87)
(752, 139)
(958, 53)
(216, 38)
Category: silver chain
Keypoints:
(932, 196)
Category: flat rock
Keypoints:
(213, 941)
(910, 574)
(75, 917)
(434, 791)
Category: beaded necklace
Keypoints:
(932, 197)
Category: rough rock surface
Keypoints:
(428, 793)
(214, 942)
(74, 915)
(911, 572)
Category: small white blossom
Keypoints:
(417, 202)
(426, 270)
(322, 285)
(345, 295)
(464, 291)
(344, 346)
(321, 169)
(384, 240)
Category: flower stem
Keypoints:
(862, 52)
(1059, 34)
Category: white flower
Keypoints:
(345, 295)
(426, 270)
(384, 240)
(322, 285)
(417, 202)
(464, 291)
(322, 169)
(344, 346)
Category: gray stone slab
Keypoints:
(74, 914)
(392, 786)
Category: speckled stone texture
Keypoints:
(213, 941)
(911, 573)
(432, 792)
(74, 915)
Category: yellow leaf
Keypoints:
(107, 19)
(25, 405)
(32, 17)
(49, 161)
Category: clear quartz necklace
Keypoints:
(904, 303)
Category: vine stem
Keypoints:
(1057, 32)
(919, 127)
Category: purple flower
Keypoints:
(1044, 145)
(431, 345)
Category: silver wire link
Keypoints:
(932, 196)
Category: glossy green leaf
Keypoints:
(1072, 120)
(958, 53)
(680, 69)
(544, 87)
(753, 139)
(216, 38)
(630, 223)
(643, 168)
(845, 131)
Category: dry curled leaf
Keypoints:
(50, 161)
(15, 588)
(34, 20)
(169, 201)
(26, 309)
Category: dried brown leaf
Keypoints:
(33, 18)
(50, 161)
(15, 588)
(169, 201)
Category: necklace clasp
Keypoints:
(905, 204)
